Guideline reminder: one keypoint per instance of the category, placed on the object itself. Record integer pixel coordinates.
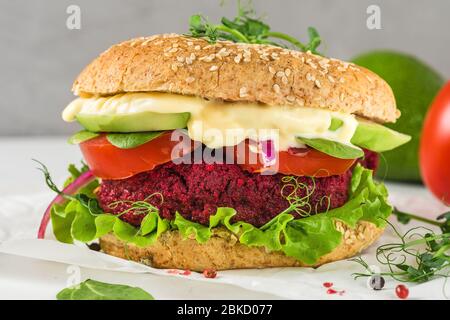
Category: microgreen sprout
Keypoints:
(290, 191)
(420, 255)
(138, 207)
(247, 28)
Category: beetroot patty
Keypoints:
(197, 190)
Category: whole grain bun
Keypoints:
(238, 72)
(223, 251)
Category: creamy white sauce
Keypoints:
(217, 123)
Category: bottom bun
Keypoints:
(223, 250)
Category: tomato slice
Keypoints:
(299, 162)
(109, 162)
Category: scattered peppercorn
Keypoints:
(376, 282)
(94, 246)
(210, 273)
(402, 291)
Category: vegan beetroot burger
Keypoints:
(309, 198)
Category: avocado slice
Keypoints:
(135, 122)
(376, 137)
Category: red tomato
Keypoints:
(303, 162)
(109, 162)
(435, 146)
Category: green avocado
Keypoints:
(136, 122)
(376, 137)
(414, 84)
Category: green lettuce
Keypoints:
(305, 239)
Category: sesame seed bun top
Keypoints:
(237, 72)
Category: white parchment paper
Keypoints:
(20, 216)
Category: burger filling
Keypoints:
(313, 173)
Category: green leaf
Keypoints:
(314, 40)
(309, 239)
(149, 223)
(333, 148)
(96, 290)
(269, 235)
(104, 224)
(335, 124)
(75, 173)
(83, 226)
(61, 223)
(189, 229)
(82, 136)
(131, 140)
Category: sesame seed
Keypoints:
(208, 58)
(190, 79)
(311, 64)
(243, 92)
(175, 45)
(317, 83)
(280, 74)
(238, 58)
(180, 59)
(213, 68)
(190, 43)
(284, 79)
(310, 77)
(347, 234)
(276, 88)
(287, 72)
(223, 52)
(173, 50)
(342, 97)
(290, 98)
(247, 55)
(272, 70)
(197, 48)
(174, 67)
(331, 79)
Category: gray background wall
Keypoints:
(40, 57)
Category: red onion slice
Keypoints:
(268, 152)
(83, 180)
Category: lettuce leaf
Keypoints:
(305, 239)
